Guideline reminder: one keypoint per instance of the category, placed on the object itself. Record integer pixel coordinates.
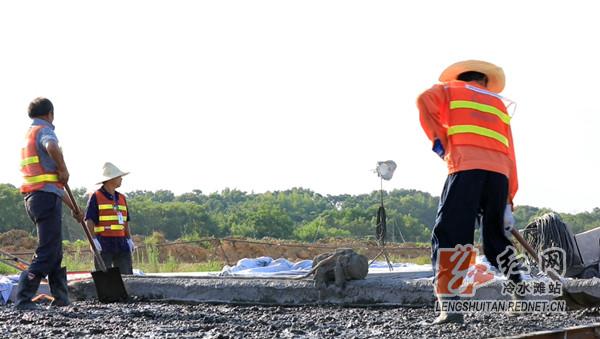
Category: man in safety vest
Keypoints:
(107, 216)
(44, 174)
(467, 122)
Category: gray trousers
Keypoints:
(122, 260)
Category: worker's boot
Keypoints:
(28, 286)
(58, 287)
(516, 297)
(447, 317)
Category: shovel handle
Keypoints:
(525, 244)
(86, 230)
(533, 253)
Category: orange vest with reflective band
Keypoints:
(476, 117)
(34, 175)
(109, 224)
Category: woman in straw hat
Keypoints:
(467, 123)
(107, 217)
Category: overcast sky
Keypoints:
(270, 95)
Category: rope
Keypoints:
(381, 229)
(550, 231)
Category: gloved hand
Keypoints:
(97, 244)
(509, 220)
(438, 148)
(131, 245)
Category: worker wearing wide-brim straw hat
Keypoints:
(468, 126)
(107, 217)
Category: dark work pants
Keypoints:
(122, 260)
(45, 210)
(465, 195)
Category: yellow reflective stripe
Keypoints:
(108, 217)
(110, 207)
(481, 107)
(41, 178)
(30, 160)
(478, 130)
(100, 229)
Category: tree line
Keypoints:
(295, 214)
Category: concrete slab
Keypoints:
(378, 289)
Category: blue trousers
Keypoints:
(45, 210)
(466, 195)
(121, 259)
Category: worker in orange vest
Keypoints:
(107, 217)
(468, 125)
(44, 175)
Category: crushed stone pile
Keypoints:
(142, 319)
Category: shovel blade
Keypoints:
(109, 285)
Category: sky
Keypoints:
(269, 95)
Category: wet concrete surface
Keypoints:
(147, 319)
(388, 289)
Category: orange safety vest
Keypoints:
(476, 117)
(110, 224)
(35, 176)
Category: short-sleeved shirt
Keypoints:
(109, 244)
(44, 136)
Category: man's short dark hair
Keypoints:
(472, 76)
(40, 107)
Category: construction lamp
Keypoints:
(385, 169)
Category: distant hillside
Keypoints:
(297, 214)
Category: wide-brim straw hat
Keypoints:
(110, 171)
(494, 73)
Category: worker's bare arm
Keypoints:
(56, 154)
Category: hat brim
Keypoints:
(495, 74)
(110, 178)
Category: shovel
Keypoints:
(573, 299)
(109, 283)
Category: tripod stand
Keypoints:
(381, 231)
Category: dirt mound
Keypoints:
(17, 241)
(228, 250)
(186, 253)
(236, 249)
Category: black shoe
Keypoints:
(58, 287)
(28, 286)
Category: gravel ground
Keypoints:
(164, 320)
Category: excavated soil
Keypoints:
(228, 250)
(160, 320)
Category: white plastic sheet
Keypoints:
(268, 267)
